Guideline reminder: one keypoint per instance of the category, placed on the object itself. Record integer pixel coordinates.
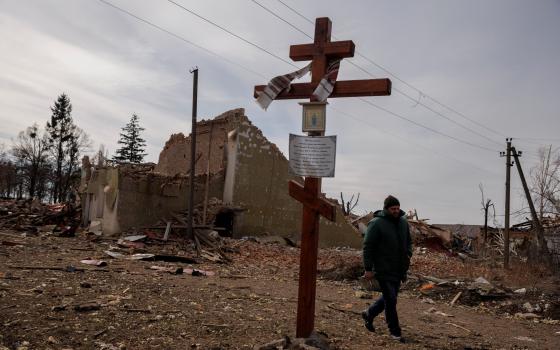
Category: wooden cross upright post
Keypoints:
(321, 52)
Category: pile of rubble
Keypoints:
(424, 234)
(522, 303)
(206, 237)
(32, 216)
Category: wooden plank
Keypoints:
(317, 204)
(335, 49)
(308, 264)
(345, 88)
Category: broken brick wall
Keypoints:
(211, 139)
(144, 200)
(246, 170)
(122, 199)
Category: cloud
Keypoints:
(495, 62)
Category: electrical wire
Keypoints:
(261, 75)
(404, 94)
(429, 108)
(231, 33)
(182, 38)
(282, 19)
(404, 139)
(402, 80)
(427, 127)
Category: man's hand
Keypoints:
(368, 275)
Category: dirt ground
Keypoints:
(49, 300)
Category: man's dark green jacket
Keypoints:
(387, 246)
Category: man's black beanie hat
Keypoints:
(390, 201)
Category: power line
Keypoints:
(282, 19)
(426, 127)
(372, 104)
(296, 12)
(395, 114)
(402, 80)
(231, 33)
(429, 108)
(413, 143)
(229, 61)
(181, 38)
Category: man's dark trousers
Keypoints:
(387, 302)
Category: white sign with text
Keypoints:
(312, 156)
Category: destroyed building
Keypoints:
(235, 164)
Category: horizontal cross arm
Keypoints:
(318, 204)
(335, 49)
(345, 88)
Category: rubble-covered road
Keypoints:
(50, 300)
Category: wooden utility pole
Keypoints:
(541, 242)
(322, 52)
(193, 153)
(507, 154)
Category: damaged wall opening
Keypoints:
(224, 219)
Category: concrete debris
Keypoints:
(169, 269)
(526, 315)
(485, 289)
(33, 217)
(316, 341)
(435, 311)
(130, 244)
(96, 227)
(520, 291)
(481, 280)
(134, 238)
(522, 338)
(94, 262)
(433, 236)
(139, 256)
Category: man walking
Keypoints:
(387, 253)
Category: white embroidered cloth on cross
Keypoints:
(326, 85)
(282, 82)
(279, 84)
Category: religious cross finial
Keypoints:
(322, 50)
(320, 53)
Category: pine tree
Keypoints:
(133, 146)
(61, 131)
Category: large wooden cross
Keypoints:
(321, 52)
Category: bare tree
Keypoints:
(7, 174)
(347, 207)
(545, 178)
(31, 150)
(486, 204)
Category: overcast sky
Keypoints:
(495, 62)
